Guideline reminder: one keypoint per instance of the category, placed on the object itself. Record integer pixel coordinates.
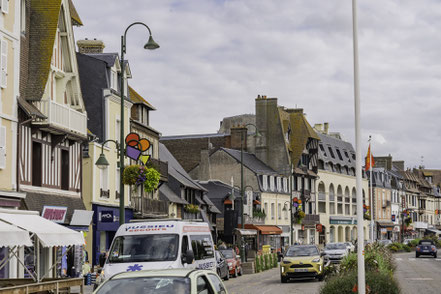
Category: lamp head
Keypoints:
(102, 162)
(151, 44)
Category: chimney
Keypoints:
(237, 134)
(326, 128)
(319, 127)
(90, 46)
(204, 166)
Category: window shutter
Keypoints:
(2, 147)
(4, 63)
(5, 6)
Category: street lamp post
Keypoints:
(150, 45)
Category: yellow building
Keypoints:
(101, 186)
(10, 28)
(336, 187)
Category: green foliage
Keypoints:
(262, 262)
(407, 248)
(275, 259)
(414, 243)
(267, 262)
(257, 213)
(191, 208)
(330, 270)
(140, 175)
(376, 282)
(258, 264)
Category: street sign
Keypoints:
(56, 214)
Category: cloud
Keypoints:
(217, 56)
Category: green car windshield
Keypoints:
(147, 285)
(302, 251)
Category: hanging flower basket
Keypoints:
(135, 175)
(191, 208)
(298, 216)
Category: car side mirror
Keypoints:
(102, 259)
(188, 257)
(322, 253)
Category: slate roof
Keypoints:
(176, 170)
(108, 58)
(336, 144)
(194, 136)
(36, 201)
(251, 162)
(136, 98)
(165, 193)
(42, 30)
(211, 207)
(301, 132)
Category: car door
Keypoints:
(218, 286)
(203, 286)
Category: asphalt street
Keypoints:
(418, 275)
(268, 282)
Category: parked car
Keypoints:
(350, 246)
(335, 252)
(385, 242)
(233, 261)
(169, 281)
(222, 266)
(301, 261)
(426, 247)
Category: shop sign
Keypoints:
(383, 230)
(393, 217)
(56, 214)
(319, 228)
(107, 216)
(342, 222)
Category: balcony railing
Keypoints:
(254, 220)
(104, 193)
(146, 207)
(62, 116)
(311, 219)
(160, 166)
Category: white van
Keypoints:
(160, 244)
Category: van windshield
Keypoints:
(144, 248)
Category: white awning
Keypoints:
(247, 232)
(49, 233)
(12, 236)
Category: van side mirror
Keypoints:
(188, 257)
(102, 259)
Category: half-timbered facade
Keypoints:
(52, 117)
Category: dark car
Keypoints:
(426, 247)
(233, 262)
(222, 266)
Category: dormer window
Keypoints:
(279, 184)
(265, 182)
(331, 152)
(272, 183)
(143, 115)
(113, 80)
(285, 185)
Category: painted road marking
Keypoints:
(398, 258)
(439, 259)
(421, 279)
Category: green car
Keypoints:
(301, 262)
(168, 281)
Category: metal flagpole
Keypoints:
(360, 231)
(371, 192)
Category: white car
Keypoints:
(335, 252)
(169, 281)
(350, 246)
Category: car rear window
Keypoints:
(425, 243)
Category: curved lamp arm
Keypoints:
(153, 44)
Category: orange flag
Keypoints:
(369, 164)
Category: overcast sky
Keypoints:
(217, 56)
